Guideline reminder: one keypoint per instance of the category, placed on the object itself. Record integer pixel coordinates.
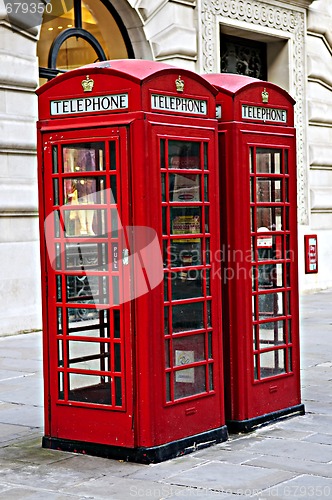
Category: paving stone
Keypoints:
(229, 478)
(301, 450)
(292, 465)
(302, 487)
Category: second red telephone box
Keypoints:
(129, 230)
(257, 148)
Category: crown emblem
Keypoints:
(179, 84)
(265, 96)
(88, 84)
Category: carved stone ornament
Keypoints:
(277, 17)
(88, 84)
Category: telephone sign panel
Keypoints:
(129, 224)
(257, 154)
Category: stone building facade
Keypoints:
(296, 37)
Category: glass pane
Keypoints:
(188, 317)
(189, 381)
(86, 256)
(89, 388)
(55, 168)
(268, 190)
(166, 322)
(84, 315)
(87, 289)
(58, 288)
(59, 321)
(55, 192)
(85, 157)
(116, 324)
(87, 322)
(58, 256)
(113, 189)
(162, 154)
(251, 160)
(184, 154)
(268, 161)
(60, 353)
(206, 188)
(60, 386)
(270, 246)
(272, 363)
(88, 355)
(269, 218)
(115, 286)
(188, 349)
(186, 220)
(163, 187)
(184, 187)
(211, 386)
(85, 222)
(112, 155)
(84, 190)
(206, 163)
(270, 305)
(114, 223)
(56, 223)
(290, 360)
(167, 356)
(118, 391)
(185, 253)
(271, 334)
(117, 357)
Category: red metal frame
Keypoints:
(137, 424)
(260, 275)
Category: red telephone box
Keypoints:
(129, 222)
(257, 147)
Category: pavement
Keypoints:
(291, 458)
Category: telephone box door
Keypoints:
(88, 361)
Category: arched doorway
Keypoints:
(79, 32)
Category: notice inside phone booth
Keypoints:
(129, 222)
(257, 147)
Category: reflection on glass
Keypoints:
(271, 333)
(268, 190)
(87, 289)
(186, 220)
(112, 155)
(268, 161)
(86, 157)
(86, 256)
(185, 253)
(188, 349)
(60, 386)
(272, 363)
(184, 154)
(269, 218)
(55, 159)
(189, 381)
(85, 222)
(184, 187)
(188, 316)
(89, 388)
(88, 355)
(270, 305)
(55, 192)
(187, 284)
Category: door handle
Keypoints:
(125, 256)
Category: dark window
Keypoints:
(243, 57)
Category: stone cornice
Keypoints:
(291, 23)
